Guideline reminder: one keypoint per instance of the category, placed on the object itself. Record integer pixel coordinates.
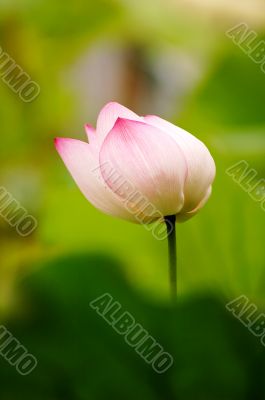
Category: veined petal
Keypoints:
(201, 166)
(82, 161)
(109, 115)
(147, 164)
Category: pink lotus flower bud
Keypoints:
(139, 168)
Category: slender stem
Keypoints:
(170, 221)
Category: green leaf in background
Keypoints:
(80, 356)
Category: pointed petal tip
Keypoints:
(63, 144)
(89, 126)
(121, 121)
(108, 117)
(56, 142)
(112, 103)
(59, 141)
(90, 132)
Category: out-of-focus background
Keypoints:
(166, 57)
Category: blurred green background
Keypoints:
(170, 58)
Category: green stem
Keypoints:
(170, 221)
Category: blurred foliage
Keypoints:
(80, 356)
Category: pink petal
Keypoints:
(91, 133)
(82, 162)
(148, 161)
(201, 166)
(109, 115)
(184, 216)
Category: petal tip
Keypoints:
(119, 122)
(62, 143)
(125, 121)
(56, 142)
(90, 132)
(111, 104)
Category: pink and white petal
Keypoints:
(147, 164)
(109, 115)
(82, 163)
(91, 133)
(184, 216)
(201, 166)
